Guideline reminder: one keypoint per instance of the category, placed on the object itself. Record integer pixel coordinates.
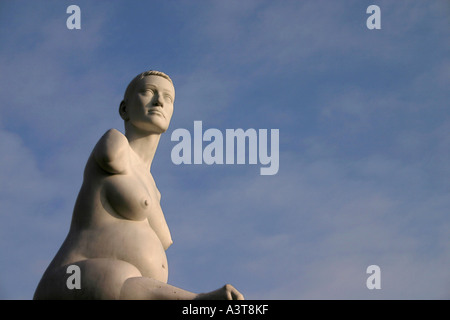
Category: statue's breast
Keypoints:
(128, 196)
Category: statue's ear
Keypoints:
(123, 111)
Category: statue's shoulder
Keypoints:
(112, 151)
(114, 136)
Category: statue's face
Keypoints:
(150, 107)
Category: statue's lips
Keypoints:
(156, 111)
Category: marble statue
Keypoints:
(118, 234)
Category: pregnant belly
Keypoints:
(132, 241)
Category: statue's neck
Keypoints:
(144, 145)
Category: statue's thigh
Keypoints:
(103, 278)
(98, 278)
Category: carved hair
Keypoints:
(141, 76)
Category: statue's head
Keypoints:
(148, 102)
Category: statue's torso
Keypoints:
(118, 216)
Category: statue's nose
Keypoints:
(158, 100)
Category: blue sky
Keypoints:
(364, 126)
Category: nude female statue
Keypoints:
(118, 234)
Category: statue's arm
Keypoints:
(111, 152)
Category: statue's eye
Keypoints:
(148, 91)
(168, 97)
